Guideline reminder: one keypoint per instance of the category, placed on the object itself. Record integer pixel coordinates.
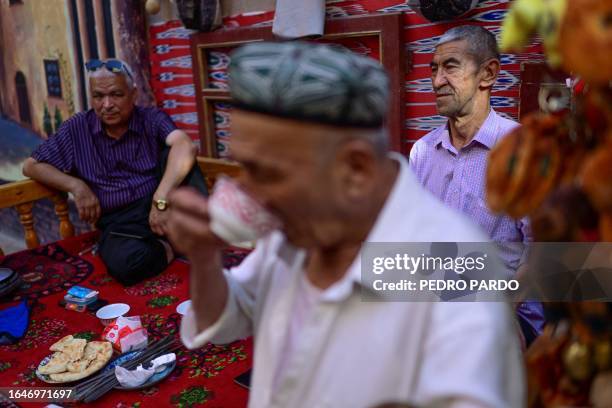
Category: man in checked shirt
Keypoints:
(112, 158)
(451, 160)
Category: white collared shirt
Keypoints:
(352, 353)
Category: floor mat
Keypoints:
(202, 377)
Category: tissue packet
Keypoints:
(126, 334)
(81, 292)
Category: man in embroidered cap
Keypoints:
(308, 129)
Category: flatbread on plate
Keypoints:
(56, 364)
(96, 347)
(59, 345)
(72, 347)
(77, 366)
(75, 349)
(74, 360)
(102, 356)
(91, 350)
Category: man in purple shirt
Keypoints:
(451, 161)
(112, 159)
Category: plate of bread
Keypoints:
(73, 359)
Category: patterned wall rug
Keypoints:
(173, 83)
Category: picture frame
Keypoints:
(384, 29)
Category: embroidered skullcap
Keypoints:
(311, 82)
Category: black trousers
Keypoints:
(128, 247)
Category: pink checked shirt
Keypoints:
(458, 179)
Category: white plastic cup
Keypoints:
(110, 313)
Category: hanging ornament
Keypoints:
(585, 40)
(528, 17)
(152, 6)
(577, 361)
(440, 10)
(602, 354)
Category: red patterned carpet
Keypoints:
(202, 377)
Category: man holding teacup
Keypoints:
(308, 129)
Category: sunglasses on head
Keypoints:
(112, 65)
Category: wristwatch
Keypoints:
(161, 204)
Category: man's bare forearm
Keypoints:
(50, 176)
(180, 161)
(209, 289)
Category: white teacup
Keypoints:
(236, 217)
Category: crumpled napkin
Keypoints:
(134, 378)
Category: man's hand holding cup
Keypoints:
(229, 216)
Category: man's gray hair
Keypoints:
(482, 44)
(104, 72)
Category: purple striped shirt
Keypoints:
(118, 171)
